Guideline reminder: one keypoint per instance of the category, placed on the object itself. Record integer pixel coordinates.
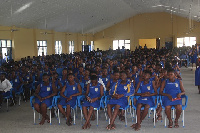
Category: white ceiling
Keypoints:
(86, 16)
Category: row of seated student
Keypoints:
(144, 70)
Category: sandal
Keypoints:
(170, 124)
(134, 125)
(122, 118)
(137, 127)
(176, 124)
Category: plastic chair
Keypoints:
(50, 107)
(125, 109)
(73, 108)
(19, 93)
(97, 109)
(173, 109)
(150, 109)
(8, 97)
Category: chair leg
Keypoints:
(50, 117)
(165, 120)
(81, 117)
(39, 116)
(7, 105)
(58, 117)
(126, 119)
(135, 117)
(173, 114)
(34, 116)
(109, 121)
(74, 116)
(105, 114)
(154, 117)
(19, 99)
(97, 118)
(149, 111)
(183, 118)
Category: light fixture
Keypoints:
(23, 7)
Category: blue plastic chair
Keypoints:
(9, 96)
(173, 109)
(73, 108)
(150, 109)
(80, 99)
(19, 93)
(125, 109)
(50, 107)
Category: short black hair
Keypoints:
(148, 72)
(93, 77)
(170, 70)
(45, 74)
(70, 74)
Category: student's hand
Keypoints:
(114, 96)
(43, 98)
(40, 99)
(179, 95)
(170, 97)
(88, 98)
(146, 94)
(93, 100)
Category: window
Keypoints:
(186, 41)
(42, 48)
(6, 49)
(120, 44)
(58, 47)
(92, 46)
(83, 43)
(71, 47)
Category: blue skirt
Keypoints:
(197, 77)
(95, 104)
(193, 59)
(48, 101)
(167, 102)
(123, 102)
(146, 100)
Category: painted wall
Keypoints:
(150, 43)
(24, 41)
(147, 25)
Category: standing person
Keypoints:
(193, 56)
(94, 93)
(172, 96)
(119, 93)
(69, 94)
(197, 73)
(5, 87)
(148, 89)
(44, 96)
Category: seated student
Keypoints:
(94, 93)
(17, 83)
(44, 96)
(85, 80)
(119, 93)
(69, 94)
(113, 80)
(63, 79)
(5, 87)
(27, 78)
(79, 74)
(197, 73)
(57, 82)
(173, 90)
(105, 77)
(148, 89)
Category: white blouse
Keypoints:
(5, 85)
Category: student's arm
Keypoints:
(31, 78)
(37, 92)
(60, 85)
(136, 90)
(62, 91)
(53, 94)
(108, 85)
(87, 92)
(161, 91)
(182, 90)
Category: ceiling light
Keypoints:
(167, 9)
(166, 6)
(23, 7)
(159, 5)
(154, 6)
(195, 16)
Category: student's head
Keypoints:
(116, 75)
(170, 73)
(97, 68)
(93, 78)
(80, 68)
(2, 76)
(70, 71)
(127, 69)
(87, 72)
(64, 71)
(93, 72)
(147, 75)
(123, 75)
(45, 78)
(55, 75)
(70, 77)
(104, 71)
(134, 68)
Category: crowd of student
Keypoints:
(116, 74)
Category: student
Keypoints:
(5, 87)
(173, 90)
(63, 79)
(57, 82)
(197, 73)
(113, 80)
(94, 93)
(148, 89)
(119, 93)
(69, 94)
(85, 80)
(44, 96)
(27, 78)
(105, 78)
